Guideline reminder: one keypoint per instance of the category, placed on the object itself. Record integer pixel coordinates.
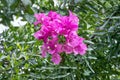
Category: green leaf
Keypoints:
(108, 5)
(28, 10)
(26, 2)
(2, 57)
(30, 18)
(19, 46)
(10, 2)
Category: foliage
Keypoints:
(99, 23)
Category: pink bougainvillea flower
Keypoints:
(53, 15)
(73, 39)
(59, 35)
(41, 19)
(56, 58)
(73, 18)
(68, 49)
(80, 49)
(44, 50)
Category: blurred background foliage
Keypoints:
(99, 24)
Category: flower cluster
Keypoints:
(59, 35)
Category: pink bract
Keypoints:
(56, 58)
(59, 35)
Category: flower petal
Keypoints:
(56, 58)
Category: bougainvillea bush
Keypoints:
(59, 35)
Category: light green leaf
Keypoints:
(26, 2)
